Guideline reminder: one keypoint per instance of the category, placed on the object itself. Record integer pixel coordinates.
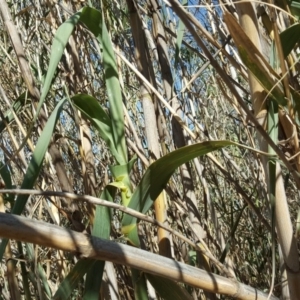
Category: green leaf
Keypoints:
(289, 38)
(167, 289)
(93, 268)
(139, 284)
(295, 8)
(94, 280)
(92, 18)
(114, 95)
(59, 44)
(121, 174)
(123, 171)
(71, 281)
(35, 164)
(157, 176)
(36, 161)
(101, 228)
(5, 174)
(25, 277)
(93, 111)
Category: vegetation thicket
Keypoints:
(149, 149)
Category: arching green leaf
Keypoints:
(157, 176)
